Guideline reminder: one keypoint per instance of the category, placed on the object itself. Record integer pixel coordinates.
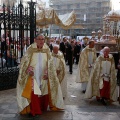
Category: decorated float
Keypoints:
(111, 31)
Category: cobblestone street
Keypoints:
(77, 108)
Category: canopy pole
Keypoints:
(59, 32)
(50, 30)
(51, 23)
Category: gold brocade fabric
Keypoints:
(49, 16)
(84, 74)
(61, 66)
(54, 86)
(95, 79)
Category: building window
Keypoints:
(58, 7)
(98, 4)
(97, 20)
(68, 6)
(97, 14)
(77, 5)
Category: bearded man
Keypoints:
(38, 86)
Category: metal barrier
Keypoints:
(17, 31)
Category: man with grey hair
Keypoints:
(103, 81)
(60, 68)
(86, 62)
(37, 85)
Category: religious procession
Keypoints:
(37, 64)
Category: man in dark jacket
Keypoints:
(70, 56)
(77, 50)
(63, 47)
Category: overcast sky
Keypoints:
(47, 2)
(116, 4)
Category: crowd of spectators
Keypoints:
(11, 50)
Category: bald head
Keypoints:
(39, 35)
(106, 51)
(55, 49)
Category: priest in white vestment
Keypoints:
(38, 86)
(103, 81)
(86, 62)
(59, 64)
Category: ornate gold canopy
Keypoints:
(49, 16)
(113, 15)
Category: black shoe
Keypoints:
(98, 100)
(83, 91)
(70, 72)
(103, 102)
(118, 99)
(30, 115)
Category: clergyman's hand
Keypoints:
(45, 77)
(30, 71)
(58, 71)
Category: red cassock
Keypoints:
(38, 104)
(105, 91)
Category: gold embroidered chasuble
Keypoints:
(59, 64)
(24, 84)
(83, 66)
(95, 80)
